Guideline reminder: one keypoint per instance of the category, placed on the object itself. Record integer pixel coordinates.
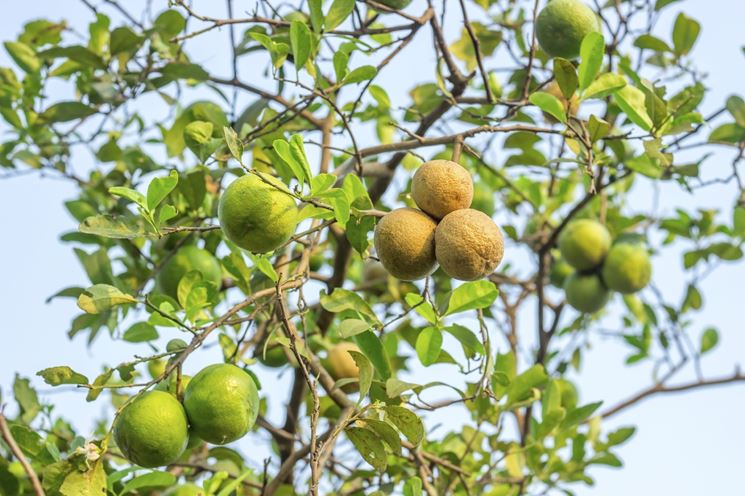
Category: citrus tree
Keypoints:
(246, 207)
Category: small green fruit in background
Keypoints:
(187, 259)
(256, 214)
(395, 4)
(222, 403)
(562, 25)
(156, 368)
(584, 243)
(152, 430)
(586, 292)
(560, 270)
(627, 268)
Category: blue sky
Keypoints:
(686, 444)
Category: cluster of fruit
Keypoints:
(220, 405)
(592, 265)
(465, 242)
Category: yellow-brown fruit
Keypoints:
(341, 363)
(442, 186)
(469, 245)
(405, 243)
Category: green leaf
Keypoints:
(316, 14)
(140, 332)
(422, 307)
(369, 446)
(130, 194)
(620, 435)
(406, 422)
(468, 340)
(282, 148)
(124, 40)
(428, 345)
(660, 4)
(27, 399)
(341, 300)
(366, 372)
(183, 70)
(472, 295)
(149, 480)
(591, 52)
(413, 486)
(340, 62)
(631, 101)
(579, 414)
(235, 145)
(738, 221)
(597, 128)
(395, 387)
(159, 188)
(102, 297)
(649, 42)
(523, 384)
(198, 137)
(362, 73)
(566, 77)
(727, 133)
(385, 432)
(339, 10)
(373, 349)
(603, 86)
(55, 376)
(685, 34)
(297, 151)
(67, 111)
(116, 227)
(23, 55)
(99, 381)
(352, 327)
(89, 483)
(300, 39)
(263, 263)
(76, 53)
(736, 107)
(709, 339)
(549, 104)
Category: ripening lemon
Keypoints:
(627, 268)
(222, 403)
(341, 365)
(584, 243)
(562, 25)
(586, 292)
(185, 260)
(257, 214)
(152, 430)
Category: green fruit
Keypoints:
(185, 260)
(560, 270)
(395, 4)
(586, 292)
(627, 268)
(152, 430)
(562, 25)
(483, 199)
(170, 385)
(175, 345)
(584, 244)
(156, 368)
(256, 214)
(185, 490)
(222, 403)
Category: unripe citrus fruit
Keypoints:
(152, 430)
(405, 243)
(586, 292)
(175, 345)
(395, 4)
(156, 368)
(560, 270)
(222, 403)
(562, 25)
(257, 214)
(342, 365)
(185, 260)
(627, 268)
(468, 244)
(584, 243)
(441, 186)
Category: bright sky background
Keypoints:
(688, 444)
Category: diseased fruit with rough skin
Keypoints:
(441, 186)
(395, 4)
(468, 244)
(185, 490)
(342, 364)
(152, 430)
(562, 25)
(483, 199)
(560, 270)
(222, 403)
(405, 243)
(185, 260)
(586, 292)
(627, 268)
(256, 214)
(584, 243)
